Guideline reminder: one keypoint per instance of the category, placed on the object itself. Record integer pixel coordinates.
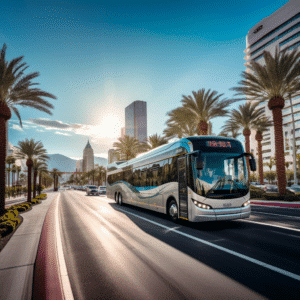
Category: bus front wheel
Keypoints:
(173, 210)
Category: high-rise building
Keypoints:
(122, 132)
(112, 156)
(79, 165)
(88, 158)
(279, 30)
(136, 120)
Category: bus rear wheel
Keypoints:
(173, 211)
(120, 200)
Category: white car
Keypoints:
(102, 190)
(92, 190)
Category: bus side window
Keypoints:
(165, 168)
(155, 174)
(143, 176)
(173, 169)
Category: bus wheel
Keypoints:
(173, 210)
(120, 199)
(116, 197)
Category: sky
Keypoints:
(97, 57)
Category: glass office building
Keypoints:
(281, 30)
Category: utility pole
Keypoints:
(294, 143)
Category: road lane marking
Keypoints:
(294, 236)
(266, 224)
(67, 290)
(258, 212)
(253, 260)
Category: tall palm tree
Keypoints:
(180, 124)
(244, 118)
(38, 164)
(127, 147)
(274, 81)
(262, 124)
(42, 171)
(155, 141)
(204, 106)
(10, 160)
(29, 150)
(16, 88)
(101, 174)
(230, 130)
(56, 174)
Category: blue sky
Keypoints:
(97, 57)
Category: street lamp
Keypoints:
(294, 143)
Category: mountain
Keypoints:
(67, 164)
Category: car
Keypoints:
(270, 188)
(295, 190)
(295, 186)
(92, 190)
(102, 190)
(255, 183)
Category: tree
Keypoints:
(127, 147)
(180, 124)
(29, 150)
(38, 165)
(230, 130)
(155, 141)
(16, 88)
(244, 118)
(271, 163)
(205, 106)
(274, 82)
(56, 174)
(10, 160)
(270, 176)
(261, 125)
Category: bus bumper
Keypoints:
(204, 215)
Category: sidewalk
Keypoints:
(18, 257)
(275, 203)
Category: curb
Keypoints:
(278, 204)
(47, 282)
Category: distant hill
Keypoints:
(67, 164)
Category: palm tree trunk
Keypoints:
(202, 128)
(29, 164)
(40, 183)
(258, 138)
(276, 105)
(34, 182)
(246, 133)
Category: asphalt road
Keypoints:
(123, 252)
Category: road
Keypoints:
(123, 252)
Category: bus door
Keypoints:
(182, 187)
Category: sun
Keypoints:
(109, 127)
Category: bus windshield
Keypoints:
(224, 175)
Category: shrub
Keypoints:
(256, 192)
(35, 201)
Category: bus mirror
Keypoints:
(199, 162)
(252, 164)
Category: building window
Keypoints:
(266, 151)
(289, 39)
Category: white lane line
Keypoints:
(258, 212)
(272, 225)
(255, 261)
(67, 291)
(294, 236)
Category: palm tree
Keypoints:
(204, 106)
(155, 141)
(127, 147)
(16, 89)
(38, 164)
(56, 174)
(230, 130)
(180, 124)
(42, 171)
(274, 81)
(262, 124)
(29, 150)
(271, 163)
(244, 118)
(101, 174)
(9, 160)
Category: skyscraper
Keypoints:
(279, 30)
(136, 120)
(88, 158)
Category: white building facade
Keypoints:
(280, 30)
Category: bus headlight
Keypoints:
(201, 205)
(247, 203)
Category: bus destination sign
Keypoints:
(218, 144)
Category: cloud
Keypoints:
(17, 127)
(62, 133)
(50, 123)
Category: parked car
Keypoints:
(92, 190)
(270, 188)
(255, 183)
(295, 186)
(295, 190)
(102, 190)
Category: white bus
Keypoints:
(201, 178)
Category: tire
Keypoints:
(120, 199)
(173, 211)
(116, 198)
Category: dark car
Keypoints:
(92, 190)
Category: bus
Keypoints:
(199, 178)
